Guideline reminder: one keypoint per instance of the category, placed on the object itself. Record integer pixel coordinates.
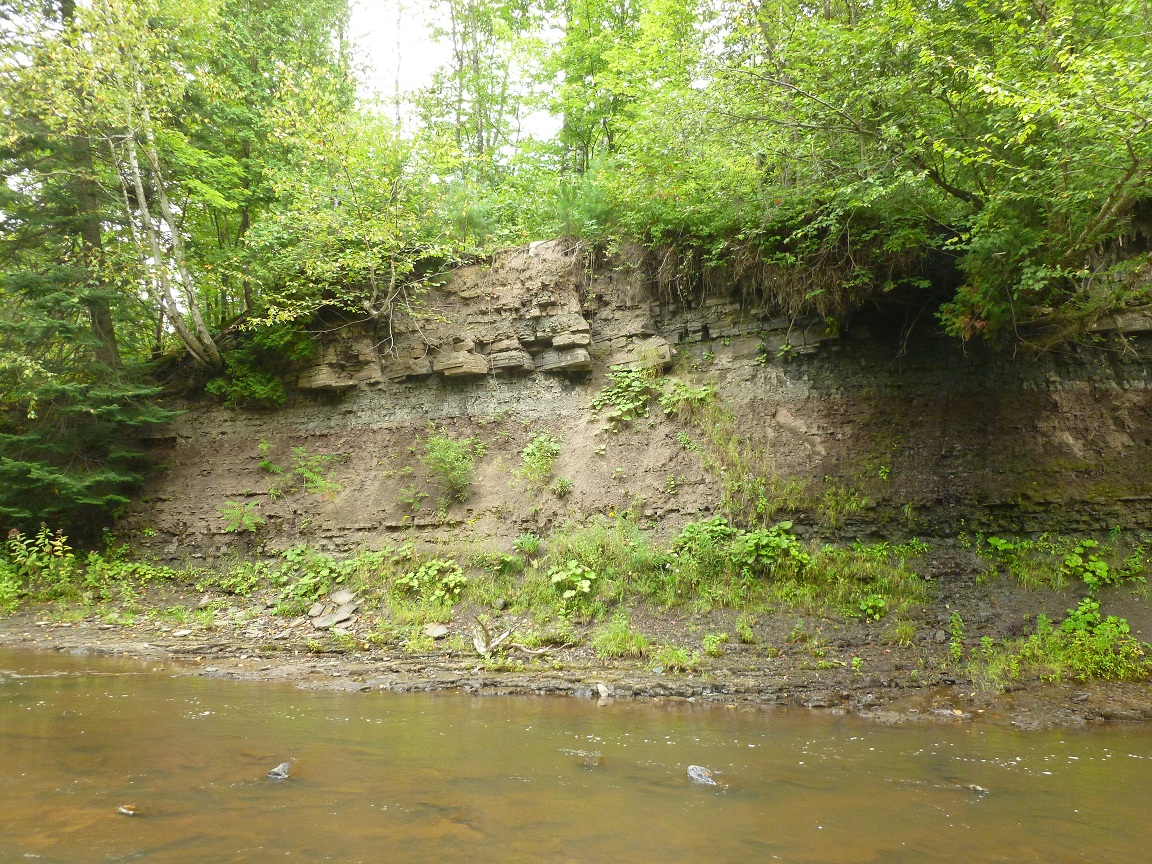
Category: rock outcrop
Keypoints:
(927, 436)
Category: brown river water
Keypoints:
(397, 778)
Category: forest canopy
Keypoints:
(189, 181)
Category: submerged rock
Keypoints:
(280, 772)
(700, 774)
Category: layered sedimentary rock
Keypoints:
(937, 437)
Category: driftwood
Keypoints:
(485, 644)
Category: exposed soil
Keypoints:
(816, 669)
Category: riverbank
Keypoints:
(784, 658)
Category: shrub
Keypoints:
(572, 581)
(673, 658)
(538, 457)
(744, 631)
(452, 462)
(627, 395)
(527, 545)
(769, 551)
(240, 517)
(562, 488)
(437, 582)
(45, 558)
(873, 607)
(314, 471)
(714, 644)
(9, 587)
(305, 576)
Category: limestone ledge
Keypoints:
(536, 310)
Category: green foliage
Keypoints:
(1082, 562)
(306, 575)
(617, 638)
(838, 503)
(452, 462)
(1050, 561)
(70, 450)
(769, 551)
(527, 545)
(1084, 646)
(673, 658)
(241, 579)
(117, 570)
(682, 399)
(240, 517)
(571, 579)
(744, 631)
(314, 471)
(714, 644)
(752, 492)
(956, 643)
(561, 487)
(538, 457)
(46, 558)
(627, 395)
(255, 368)
(873, 607)
(10, 587)
(266, 464)
(436, 582)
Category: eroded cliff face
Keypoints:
(938, 437)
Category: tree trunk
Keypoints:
(166, 300)
(202, 333)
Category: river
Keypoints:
(397, 778)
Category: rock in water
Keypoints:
(700, 774)
(280, 772)
(127, 810)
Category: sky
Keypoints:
(394, 38)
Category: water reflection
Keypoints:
(419, 777)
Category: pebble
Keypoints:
(501, 605)
(127, 810)
(182, 633)
(280, 772)
(436, 631)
